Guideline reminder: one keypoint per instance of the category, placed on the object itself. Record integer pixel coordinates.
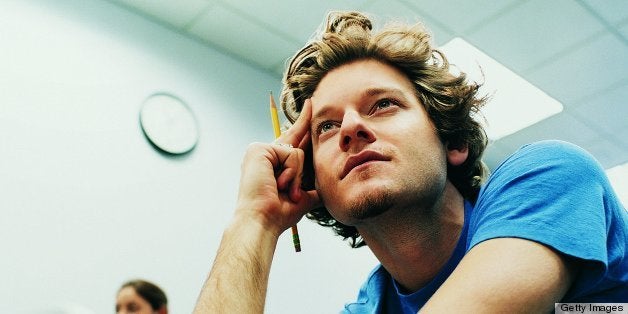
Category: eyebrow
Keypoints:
(383, 90)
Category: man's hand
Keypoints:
(270, 200)
(270, 184)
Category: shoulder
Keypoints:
(546, 174)
(534, 195)
(553, 152)
(555, 193)
(553, 160)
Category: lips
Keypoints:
(361, 158)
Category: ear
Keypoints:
(457, 155)
(162, 310)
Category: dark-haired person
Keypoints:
(395, 156)
(141, 297)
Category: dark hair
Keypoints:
(450, 100)
(149, 292)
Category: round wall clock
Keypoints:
(169, 124)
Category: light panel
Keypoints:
(515, 103)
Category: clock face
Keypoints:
(169, 124)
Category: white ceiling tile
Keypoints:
(279, 68)
(460, 16)
(242, 37)
(609, 114)
(542, 40)
(611, 10)
(298, 19)
(495, 154)
(624, 30)
(621, 138)
(562, 126)
(601, 110)
(177, 13)
(585, 71)
(387, 11)
(607, 152)
(534, 31)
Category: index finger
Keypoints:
(296, 134)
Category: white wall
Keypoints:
(87, 203)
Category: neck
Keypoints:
(413, 244)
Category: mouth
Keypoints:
(360, 159)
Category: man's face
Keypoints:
(374, 147)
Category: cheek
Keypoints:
(324, 179)
(323, 162)
(320, 174)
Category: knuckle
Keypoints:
(255, 149)
(255, 146)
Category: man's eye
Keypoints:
(326, 126)
(133, 307)
(384, 104)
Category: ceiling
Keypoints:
(574, 50)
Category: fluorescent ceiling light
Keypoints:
(618, 176)
(515, 103)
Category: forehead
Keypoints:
(358, 79)
(128, 294)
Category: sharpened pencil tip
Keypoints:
(272, 101)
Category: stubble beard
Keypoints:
(371, 205)
(421, 193)
(375, 204)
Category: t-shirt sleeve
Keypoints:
(550, 192)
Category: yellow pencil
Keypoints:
(276, 128)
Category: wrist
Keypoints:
(250, 225)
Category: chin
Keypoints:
(369, 203)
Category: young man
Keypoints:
(395, 159)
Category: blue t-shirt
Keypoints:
(551, 192)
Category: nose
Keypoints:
(354, 131)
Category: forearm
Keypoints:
(505, 275)
(238, 280)
(270, 200)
